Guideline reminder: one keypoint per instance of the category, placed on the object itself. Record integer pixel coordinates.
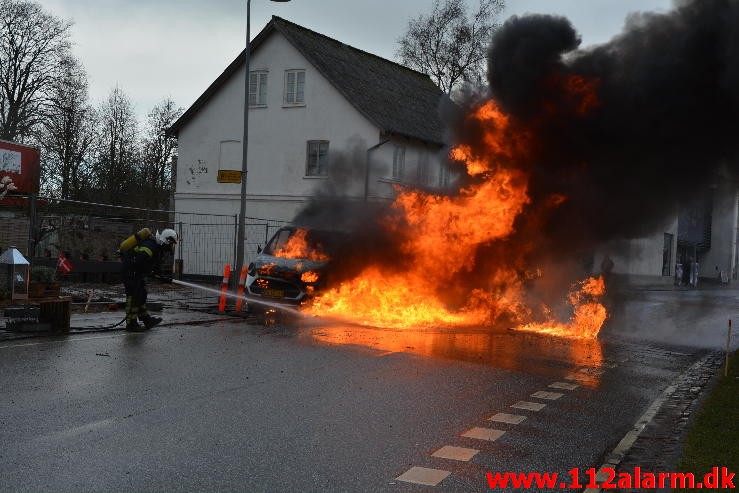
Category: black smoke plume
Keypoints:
(665, 123)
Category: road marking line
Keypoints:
(529, 406)
(550, 396)
(563, 385)
(578, 378)
(423, 475)
(488, 434)
(455, 453)
(513, 419)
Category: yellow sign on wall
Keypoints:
(229, 176)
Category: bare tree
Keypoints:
(158, 149)
(117, 153)
(448, 45)
(33, 47)
(67, 134)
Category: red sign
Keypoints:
(22, 164)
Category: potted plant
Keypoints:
(43, 282)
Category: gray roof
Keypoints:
(396, 99)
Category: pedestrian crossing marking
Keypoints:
(563, 385)
(513, 419)
(455, 453)
(529, 406)
(424, 476)
(488, 434)
(550, 396)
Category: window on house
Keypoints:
(443, 176)
(294, 86)
(258, 88)
(317, 162)
(423, 168)
(398, 163)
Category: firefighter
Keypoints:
(138, 262)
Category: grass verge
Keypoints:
(713, 438)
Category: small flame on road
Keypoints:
(588, 313)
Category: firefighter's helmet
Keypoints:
(167, 237)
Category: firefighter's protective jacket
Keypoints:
(143, 259)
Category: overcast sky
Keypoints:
(158, 48)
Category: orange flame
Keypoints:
(309, 276)
(588, 314)
(440, 239)
(297, 247)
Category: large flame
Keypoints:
(440, 239)
(298, 247)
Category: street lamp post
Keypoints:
(241, 232)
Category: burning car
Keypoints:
(289, 268)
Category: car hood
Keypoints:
(268, 265)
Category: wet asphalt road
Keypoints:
(237, 407)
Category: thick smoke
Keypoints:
(664, 124)
(350, 229)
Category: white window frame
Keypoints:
(258, 82)
(398, 171)
(293, 93)
(313, 158)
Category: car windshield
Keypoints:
(297, 243)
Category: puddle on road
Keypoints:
(530, 353)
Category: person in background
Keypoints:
(694, 273)
(143, 259)
(686, 271)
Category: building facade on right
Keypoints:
(703, 229)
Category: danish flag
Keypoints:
(64, 265)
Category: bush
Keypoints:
(41, 273)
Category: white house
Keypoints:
(318, 108)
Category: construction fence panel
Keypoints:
(89, 235)
(207, 243)
(84, 231)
